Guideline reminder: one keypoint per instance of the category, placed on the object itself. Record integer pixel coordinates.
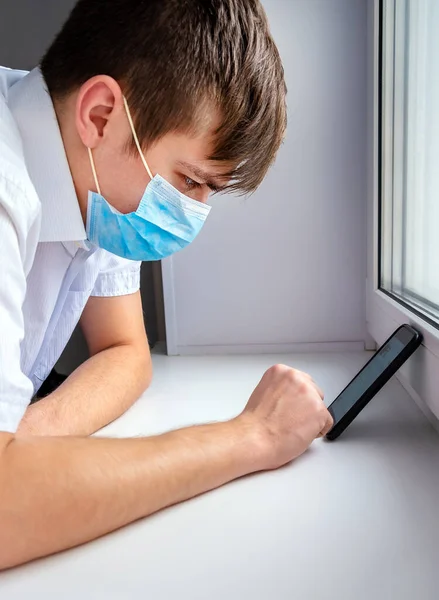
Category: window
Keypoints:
(409, 261)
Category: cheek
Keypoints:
(127, 197)
(125, 187)
(200, 195)
(178, 180)
(175, 179)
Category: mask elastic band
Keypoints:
(136, 139)
(93, 168)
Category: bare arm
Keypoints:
(61, 492)
(106, 385)
(56, 493)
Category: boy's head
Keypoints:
(203, 80)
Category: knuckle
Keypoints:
(293, 375)
(303, 385)
(277, 370)
(318, 408)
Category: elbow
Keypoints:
(136, 357)
(144, 368)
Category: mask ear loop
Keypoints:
(93, 168)
(136, 139)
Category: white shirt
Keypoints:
(48, 270)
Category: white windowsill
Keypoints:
(420, 374)
(352, 519)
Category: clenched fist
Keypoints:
(288, 411)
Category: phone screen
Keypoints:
(374, 368)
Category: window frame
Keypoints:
(385, 312)
(394, 155)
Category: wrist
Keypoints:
(255, 443)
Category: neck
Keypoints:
(76, 153)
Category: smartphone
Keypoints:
(372, 377)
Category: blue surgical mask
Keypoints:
(165, 222)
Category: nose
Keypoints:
(201, 195)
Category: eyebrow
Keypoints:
(208, 178)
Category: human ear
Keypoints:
(97, 101)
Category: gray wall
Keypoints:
(289, 264)
(27, 27)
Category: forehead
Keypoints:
(196, 145)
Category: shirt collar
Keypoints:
(46, 160)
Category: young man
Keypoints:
(108, 154)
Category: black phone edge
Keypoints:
(339, 427)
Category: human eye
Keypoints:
(191, 184)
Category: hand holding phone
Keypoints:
(288, 413)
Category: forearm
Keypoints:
(60, 492)
(98, 392)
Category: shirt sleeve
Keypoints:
(19, 225)
(117, 276)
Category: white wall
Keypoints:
(288, 265)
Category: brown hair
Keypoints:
(172, 57)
